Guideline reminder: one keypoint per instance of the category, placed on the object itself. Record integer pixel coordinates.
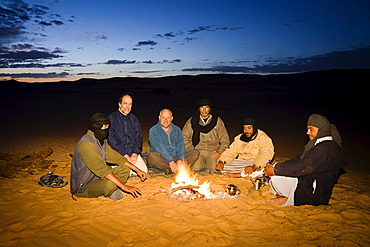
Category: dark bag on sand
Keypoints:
(51, 180)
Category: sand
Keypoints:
(55, 115)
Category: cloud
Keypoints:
(40, 65)
(21, 56)
(293, 22)
(169, 35)
(15, 16)
(148, 62)
(100, 37)
(146, 71)
(118, 62)
(36, 75)
(58, 50)
(92, 73)
(355, 58)
(213, 28)
(148, 42)
(55, 22)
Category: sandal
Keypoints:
(51, 180)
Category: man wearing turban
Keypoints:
(309, 178)
(250, 150)
(205, 132)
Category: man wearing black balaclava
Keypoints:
(91, 176)
(309, 178)
(251, 150)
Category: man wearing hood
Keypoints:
(251, 150)
(205, 132)
(309, 178)
(91, 176)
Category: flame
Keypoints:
(185, 177)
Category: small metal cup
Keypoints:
(232, 190)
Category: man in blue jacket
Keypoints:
(125, 133)
(167, 150)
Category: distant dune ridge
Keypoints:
(39, 115)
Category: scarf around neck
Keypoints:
(197, 128)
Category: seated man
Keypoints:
(309, 178)
(125, 133)
(91, 176)
(250, 151)
(167, 149)
(205, 132)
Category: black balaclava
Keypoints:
(96, 123)
(325, 129)
(253, 122)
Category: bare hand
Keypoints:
(173, 166)
(142, 175)
(220, 166)
(133, 158)
(135, 192)
(215, 155)
(250, 169)
(269, 170)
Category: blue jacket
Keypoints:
(170, 147)
(125, 133)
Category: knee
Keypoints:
(109, 188)
(156, 160)
(192, 156)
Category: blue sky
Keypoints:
(69, 39)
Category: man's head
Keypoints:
(204, 107)
(125, 103)
(249, 127)
(99, 124)
(165, 118)
(318, 126)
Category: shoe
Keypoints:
(168, 171)
(116, 195)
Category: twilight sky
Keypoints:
(57, 40)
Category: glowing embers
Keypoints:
(187, 188)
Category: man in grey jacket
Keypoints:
(205, 132)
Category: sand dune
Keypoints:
(56, 115)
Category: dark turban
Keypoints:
(204, 102)
(253, 122)
(325, 129)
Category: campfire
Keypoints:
(187, 188)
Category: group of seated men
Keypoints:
(204, 145)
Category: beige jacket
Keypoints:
(215, 140)
(260, 150)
